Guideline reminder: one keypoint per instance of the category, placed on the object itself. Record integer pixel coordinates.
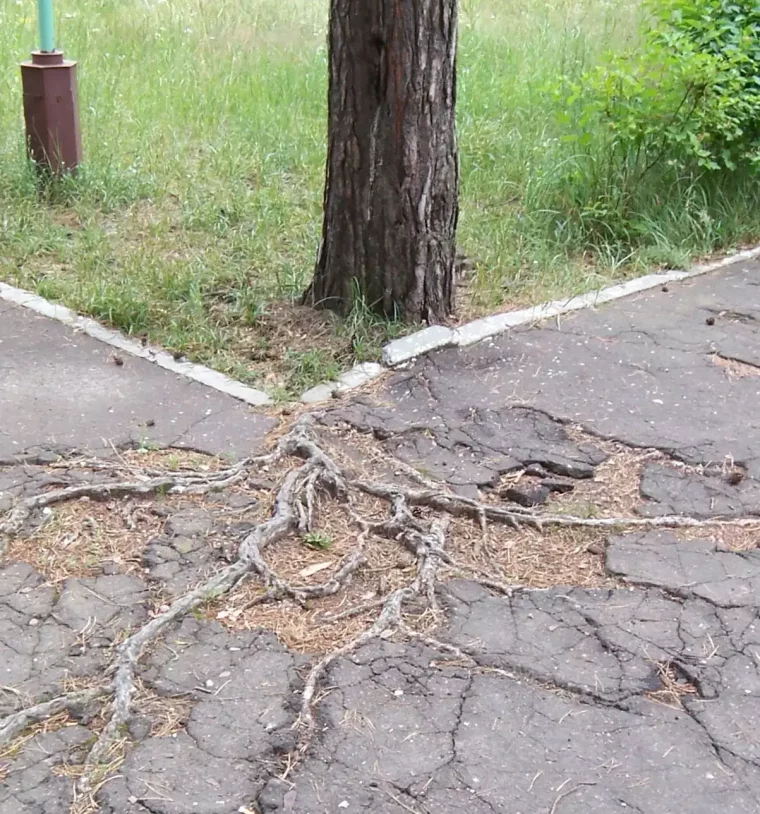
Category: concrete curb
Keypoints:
(396, 353)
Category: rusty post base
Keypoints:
(51, 112)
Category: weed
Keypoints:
(317, 540)
(310, 367)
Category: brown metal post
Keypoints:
(51, 111)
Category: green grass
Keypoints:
(199, 202)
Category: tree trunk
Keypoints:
(391, 188)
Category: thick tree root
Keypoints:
(293, 511)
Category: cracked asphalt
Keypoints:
(640, 697)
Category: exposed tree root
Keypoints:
(12, 725)
(516, 517)
(293, 511)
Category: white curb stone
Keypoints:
(359, 375)
(320, 392)
(408, 347)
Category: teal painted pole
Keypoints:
(47, 29)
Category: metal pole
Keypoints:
(46, 26)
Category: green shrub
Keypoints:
(684, 105)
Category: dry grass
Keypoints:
(87, 803)
(673, 688)
(525, 557)
(12, 750)
(614, 489)
(172, 459)
(167, 715)
(730, 538)
(78, 538)
(531, 558)
(81, 536)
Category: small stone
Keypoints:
(238, 500)
(110, 569)
(560, 486)
(343, 804)
(595, 548)
(263, 484)
(398, 693)
(710, 321)
(735, 476)
(209, 682)
(527, 497)
(186, 545)
(34, 622)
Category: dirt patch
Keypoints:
(77, 539)
(313, 559)
(163, 715)
(734, 368)
(531, 558)
(288, 348)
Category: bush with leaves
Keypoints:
(685, 102)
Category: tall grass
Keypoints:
(204, 125)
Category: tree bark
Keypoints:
(392, 177)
